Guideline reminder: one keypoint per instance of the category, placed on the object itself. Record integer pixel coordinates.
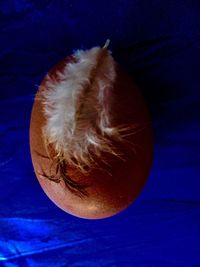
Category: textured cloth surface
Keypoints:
(158, 43)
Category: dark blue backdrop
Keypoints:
(158, 43)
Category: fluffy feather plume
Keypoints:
(77, 109)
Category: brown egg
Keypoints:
(107, 182)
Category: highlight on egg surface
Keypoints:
(90, 135)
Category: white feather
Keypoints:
(77, 110)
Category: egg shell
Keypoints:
(115, 188)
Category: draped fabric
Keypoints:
(158, 43)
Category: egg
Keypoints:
(90, 135)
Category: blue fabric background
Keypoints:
(158, 43)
